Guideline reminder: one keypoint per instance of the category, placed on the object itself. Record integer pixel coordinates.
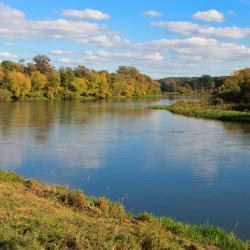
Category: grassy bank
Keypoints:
(204, 110)
(37, 216)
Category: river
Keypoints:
(194, 170)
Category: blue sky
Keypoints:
(160, 37)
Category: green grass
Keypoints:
(201, 110)
(38, 216)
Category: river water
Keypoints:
(194, 170)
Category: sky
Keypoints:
(162, 38)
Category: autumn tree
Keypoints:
(38, 80)
(19, 84)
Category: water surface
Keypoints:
(196, 171)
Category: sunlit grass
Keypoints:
(38, 216)
(200, 110)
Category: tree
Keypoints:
(1, 74)
(5, 95)
(206, 81)
(53, 84)
(66, 75)
(19, 84)
(79, 86)
(230, 90)
(42, 63)
(236, 88)
(41, 79)
(172, 85)
(8, 66)
(129, 71)
(38, 80)
(84, 72)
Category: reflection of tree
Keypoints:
(238, 131)
(75, 132)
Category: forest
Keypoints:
(186, 85)
(40, 79)
(223, 89)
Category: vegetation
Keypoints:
(41, 80)
(206, 110)
(230, 101)
(37, 216)
(236, 89)
(191, 85)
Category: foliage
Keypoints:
(41, 80)
(208, 111)
(38, 81)
(37, 216)
(237, 88)
(19, 84)
(5, 95)
(230, 89)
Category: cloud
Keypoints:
(8, 44)
(7, 55)
(152, 13)
(86, 14)
(60, 52)
(198, 48)
(231, 13)
(209, 16)
(193, 29)
(15, 25)
(101, 56)
(153, 57)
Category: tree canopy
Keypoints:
(41, 79)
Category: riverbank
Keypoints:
(38, 216)
(82, 98)
(207, 111)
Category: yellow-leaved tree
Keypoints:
(38, 80)
(19, 84)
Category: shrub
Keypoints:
(5, 95)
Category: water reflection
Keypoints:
(168, 164)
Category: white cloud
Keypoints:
(7, 55)
(153, 57)
(209, 16)
(8, 44)
(102, 56)
(152, 13)
(86, 14)
(60, 52)
(15, 25)
(198, 48)
(191, 29)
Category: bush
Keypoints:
(5, 95)
(217, 101)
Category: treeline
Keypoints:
(224, 89)
(235, 89)
(186, 85)
(40, 79)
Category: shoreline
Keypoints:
(211, 112)
(38, 216)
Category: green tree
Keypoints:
(230, 90)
